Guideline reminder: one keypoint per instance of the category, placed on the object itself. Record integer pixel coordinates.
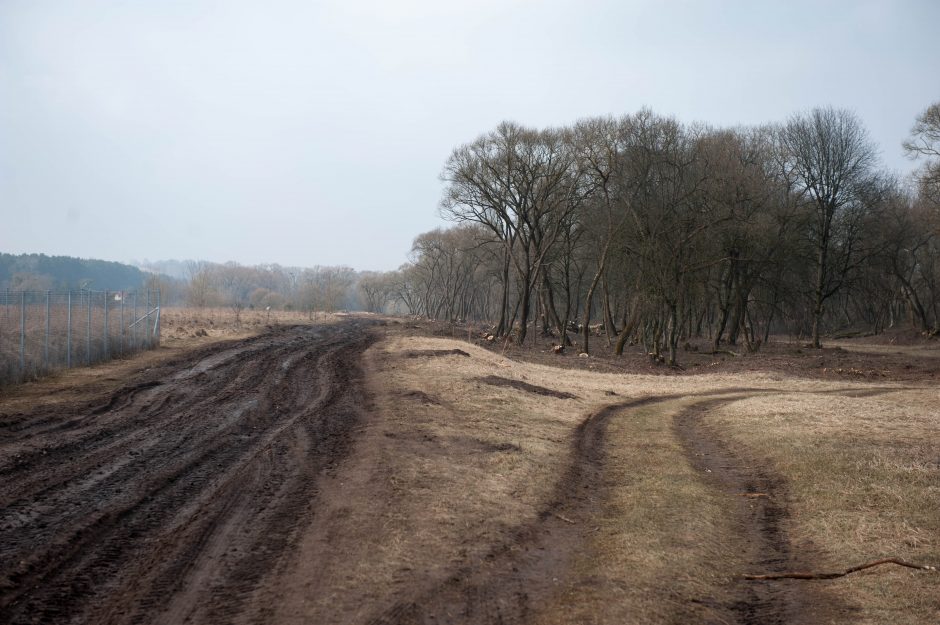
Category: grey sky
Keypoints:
(310, 133)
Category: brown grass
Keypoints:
(864, 476)
(462, 463)
(181, 324)
(860, 470)
(662, 550)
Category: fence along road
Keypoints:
(41, 331)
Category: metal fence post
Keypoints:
(156, 327)
(122, 323)
(23, 333)
(68, 335)
(39, 348)
(88, 329)
(46, 350)
(106, 328)
(159, 299)
(136, 329)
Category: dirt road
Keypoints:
(177, 498)
(257, 481)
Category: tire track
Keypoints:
(180, 496)
(517, 576)
(758, 520)
(224, 474)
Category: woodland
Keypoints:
(649, 231)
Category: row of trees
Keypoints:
(39, 272)
(661, 231)
(266, 286)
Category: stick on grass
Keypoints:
(854, 569)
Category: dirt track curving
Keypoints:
(516, 579)
(210, 489)
(757, 500)
(178, 497)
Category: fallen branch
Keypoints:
(725, 351)
(854, 569)
(564, 518)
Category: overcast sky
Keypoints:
(307, 133)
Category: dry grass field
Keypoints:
(475, 487)
(182, 324)
(639, 526)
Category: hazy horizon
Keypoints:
(314, 134)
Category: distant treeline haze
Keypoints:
(38, 272)
(199, 283)
(660, 231)
(280, 288)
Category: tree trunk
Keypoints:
(553, 313)
(609, 327)
(673, 335)
(629, 327)
(819, 292)
(724, 304)
(524, 307)
(588, 299)
(501, 328)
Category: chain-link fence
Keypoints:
(45, 330)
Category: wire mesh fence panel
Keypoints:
(41, 331)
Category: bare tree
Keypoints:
(924, 142)
(235, 283)
(909, 255)
(200, 290)
(519, 184)
(375, 290)
(601, 146)
(830, 158)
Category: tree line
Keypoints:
(40, 272)
(648, 231)
(306, 289)
(199, 283)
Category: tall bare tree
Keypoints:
(601, 146)
(519, 184)
(830, 158)
(924, 142)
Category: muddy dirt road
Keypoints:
(353, 473)
(178, 497)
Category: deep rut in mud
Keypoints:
(178, 497)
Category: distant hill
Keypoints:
(41, 272)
